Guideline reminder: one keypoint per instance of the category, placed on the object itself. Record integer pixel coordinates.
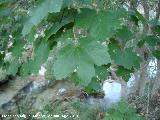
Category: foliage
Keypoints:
(122, 111)
(147, 101)
(119, 111)
(43, 7)
(82, 58)
(156, 53)
(85, 34)
(74, 110)
(3, 74)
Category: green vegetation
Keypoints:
(86, 41)
(119, 111)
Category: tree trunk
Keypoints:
(143, 51)
(143, 79)
(124, 89)
(156, 84)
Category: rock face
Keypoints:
(22, 96)
(26, 96)
(52, 93)
(9, 93)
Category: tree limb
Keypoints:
(158, 12)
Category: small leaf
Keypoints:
(152, 40)
(56, 26)
(156, 29)
(124, 73)
(94, 85)
(134, 19)
(127, 58)
(101, 72)
(140, 17)
(141, 43)
(156, 54)
(113, 47)
(124, 34)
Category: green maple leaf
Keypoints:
(65, 63)
(152, 40)
(97, 51)
(113, 47)
(13, 67)
(102, 72)
(40, 56)
(26, 68)
(93, 85)
(16, 53)
(82, 58)
(156, 54)
(99, 25)
(70, 58)
(124, 73)
(41, 11)
(56, 26)
(85, 66)
(127, 58)
(124, 34)
(17, 49)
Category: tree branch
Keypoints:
(146, 15)
(158, 12)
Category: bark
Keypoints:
(134, 88)
(140, 82)
(143, 79)
(146, 15)
(143, 70)
(124, 89)
(133, 4)
(158, 12)
(156, 84)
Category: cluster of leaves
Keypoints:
(88, 37)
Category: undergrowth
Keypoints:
(76, 110)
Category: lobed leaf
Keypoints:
(38, 13)
(100, 25)
(82, 58)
